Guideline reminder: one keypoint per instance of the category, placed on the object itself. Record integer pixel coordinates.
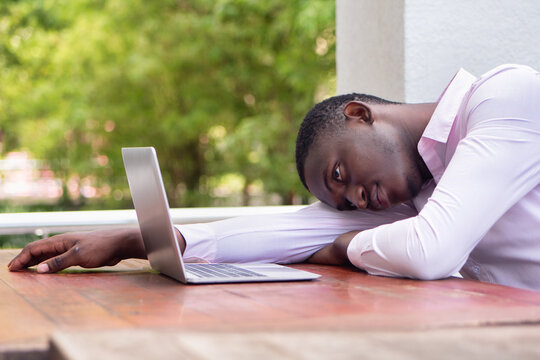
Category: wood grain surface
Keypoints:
(131, 296)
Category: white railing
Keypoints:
(44, 223)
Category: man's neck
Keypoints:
(420, 116)
(415, 118)
(412, 120)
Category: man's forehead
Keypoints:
(318, 154)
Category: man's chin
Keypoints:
(413, 189)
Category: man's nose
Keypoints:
(357, 196)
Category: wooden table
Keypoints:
(128, 297)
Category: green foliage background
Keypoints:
(219, 87)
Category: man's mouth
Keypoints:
(379, 198)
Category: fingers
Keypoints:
(38, 251)
(60, 262)
(88, 249)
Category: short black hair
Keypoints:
(325, 118)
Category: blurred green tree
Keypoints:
(218, 87)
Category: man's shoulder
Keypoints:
(507, 92)
(507, 74)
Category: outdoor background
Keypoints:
(218, 87)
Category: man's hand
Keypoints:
(334, 253)
(86, 249)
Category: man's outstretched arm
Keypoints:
(282, 238)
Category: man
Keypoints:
(434, 189)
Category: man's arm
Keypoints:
(283, 238)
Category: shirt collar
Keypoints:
(432, 145)
(448, 106)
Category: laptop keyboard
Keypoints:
(219, 270)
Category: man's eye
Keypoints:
(337, 174)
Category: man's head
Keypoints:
(353, 151)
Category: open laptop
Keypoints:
(159, 235)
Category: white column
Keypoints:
(408, 50)
(369, 52)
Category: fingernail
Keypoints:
(42, 268)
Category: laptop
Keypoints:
(159, 235)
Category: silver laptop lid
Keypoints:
(151, 206)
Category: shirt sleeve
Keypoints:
(494, 166)
(280, 238)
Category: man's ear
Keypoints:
(358, 111)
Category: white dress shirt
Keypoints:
(280, 238)
(480, 214)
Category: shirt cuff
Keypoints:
(362, 253)
(359, 245)
(200, 242)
